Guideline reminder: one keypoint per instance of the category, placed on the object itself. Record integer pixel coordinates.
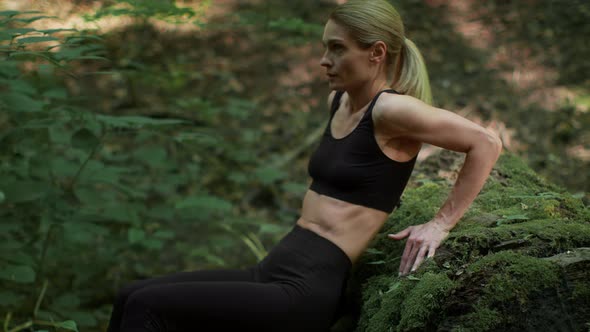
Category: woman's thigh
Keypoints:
(208, 306)
(129, 289)
(190, 276)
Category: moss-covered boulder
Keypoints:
(517, 261)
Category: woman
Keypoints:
(359, 171)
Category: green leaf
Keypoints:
(50, 31)
(120, 213)
(294, 188)
(68, 325)
(67, 300)
(97, 171)
(45, 55)
(60, 135)
(152, 244)
(31, 40)
(6, 36)
(295, 25)
(33, 19)
(21, 86)
(18, 273)
(83, 318)
(19, 257)
(9, 69)
(18, 31)
(19, 102)
(84, 139)
(56, 93)
(9, 13)
(271, 228)
(205, 202)
(84, 233)
(90, 57)
(62, 167)
(268, 175)
(374, 251)
(24, 191)
(82, 38)
(155, 156)
(516, 217)
(8, 245)
(2, 197)
(12, 299)
(136, 121)
(135, 235)
(393, 286)
(165, 234)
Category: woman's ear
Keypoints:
(378, 52)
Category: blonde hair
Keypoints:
(369, 21)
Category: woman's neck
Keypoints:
(360, 98)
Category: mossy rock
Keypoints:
(517, 261)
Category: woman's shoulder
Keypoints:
(393, 111)
(394, 102)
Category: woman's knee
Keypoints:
(142, 310)
(128, 289)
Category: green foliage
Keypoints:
(73, 206)
(166, 10)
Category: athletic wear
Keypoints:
(354, 169)
(297, 287)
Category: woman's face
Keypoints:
(347, 65)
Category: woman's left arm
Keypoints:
(408, 117)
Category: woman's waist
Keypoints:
(351, 227)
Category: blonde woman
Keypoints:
(380, 115)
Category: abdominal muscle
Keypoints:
(351, 227)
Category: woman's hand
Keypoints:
(423, 239)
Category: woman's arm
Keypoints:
(407, 117)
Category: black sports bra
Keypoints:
(354, 169)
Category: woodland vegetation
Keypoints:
(142, 137)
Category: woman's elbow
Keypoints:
(493, 141)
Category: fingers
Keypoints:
(423, 240)
(419, 258)
(400, 235)
(414, 256)
(405, 257)
(409, 257)
(431, 252)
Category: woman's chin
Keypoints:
(333, 85)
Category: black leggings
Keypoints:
(298, 286)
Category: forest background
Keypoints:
(140, 138)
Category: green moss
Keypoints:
(490, 272)
(421, 308)
(505, 271)
(382, 301)
(518, 174)
(581, 292)
(481, 320)
(392, 303)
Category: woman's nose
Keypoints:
(324, 61)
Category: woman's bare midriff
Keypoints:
(351, 227)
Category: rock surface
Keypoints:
(517, 261)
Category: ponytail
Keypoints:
(369, 21)
(412, 76)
